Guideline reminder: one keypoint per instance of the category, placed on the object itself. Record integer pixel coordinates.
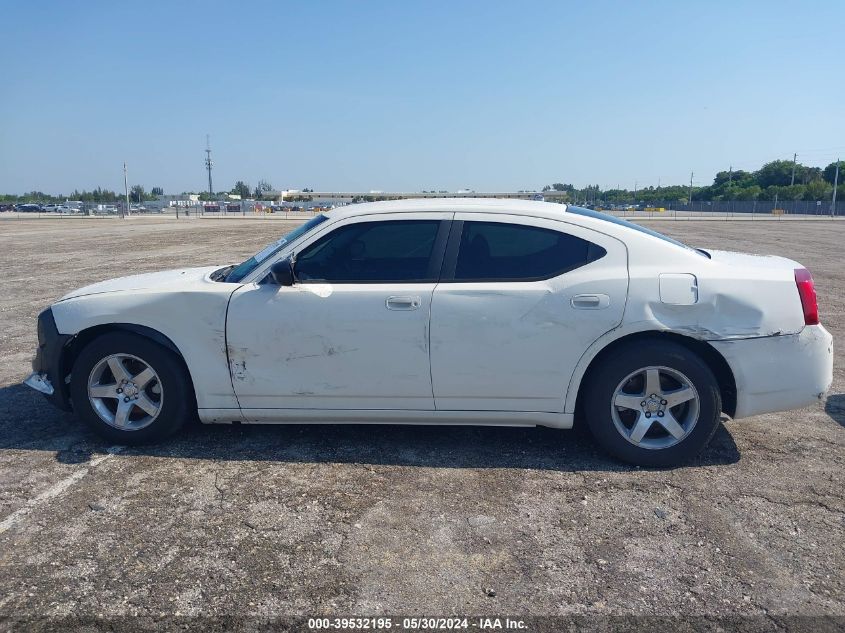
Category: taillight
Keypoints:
(807, 292)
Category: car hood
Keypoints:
(170, 279)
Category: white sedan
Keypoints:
(495, 312)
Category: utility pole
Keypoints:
(208, 165)
(835, 184)
(730, 175)
(126, 190)
(689, 202)
(794, 159)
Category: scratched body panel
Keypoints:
(329, 347)
(185, 305)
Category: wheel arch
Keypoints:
(84, 337)
(714, 360)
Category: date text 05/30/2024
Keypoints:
(417, 624)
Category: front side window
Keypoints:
(514, 252)
(372, 252)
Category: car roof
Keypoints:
(532, 208)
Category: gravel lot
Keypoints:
(332, 520)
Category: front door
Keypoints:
(353, 331)
(519, 302)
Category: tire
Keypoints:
(624, 378)
(155, 410)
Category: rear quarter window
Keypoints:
(494, 251)
(597, 215)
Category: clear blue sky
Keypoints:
(407, 95)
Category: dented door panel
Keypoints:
(330, 346)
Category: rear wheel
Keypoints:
(653, 403)
(130, 389)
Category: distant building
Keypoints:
(181, 200)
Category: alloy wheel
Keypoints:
(655, 407)
(125, 392)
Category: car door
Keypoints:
(520, 300)
(353, 330)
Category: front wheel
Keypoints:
(653, 403)
(130, 389)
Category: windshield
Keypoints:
(612, 218)
(243, 269)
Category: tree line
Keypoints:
(778, 179)
(137, 194)
(781, 179)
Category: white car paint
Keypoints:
(333, 346)
(491, 342)
(476, 353)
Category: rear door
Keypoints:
(519, 301)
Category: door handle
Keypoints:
(403, 303)
(590, 302)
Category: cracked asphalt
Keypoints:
(331, 520)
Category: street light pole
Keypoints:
(689, 202)
(835, 184)
(126, 189)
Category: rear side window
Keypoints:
(372, 252)
(597, 215)
(493, 251)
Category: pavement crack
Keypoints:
(792, 504)
(221, 491)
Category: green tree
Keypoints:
(830, 171)
(261, 189)
(794, 192)
(818, 190)
(156, 191)
(241, 189)
(777, 173)
(137, 194)
(749, 193)
(734, 177)
(809, 174)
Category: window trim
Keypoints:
(450, 263)
(435, 260)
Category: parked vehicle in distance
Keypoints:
(451, 311)
(29, 207)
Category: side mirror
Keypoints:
(282, 273)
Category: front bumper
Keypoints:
(779, 373)
(48, 375)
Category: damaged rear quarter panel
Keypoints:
(739, 297)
